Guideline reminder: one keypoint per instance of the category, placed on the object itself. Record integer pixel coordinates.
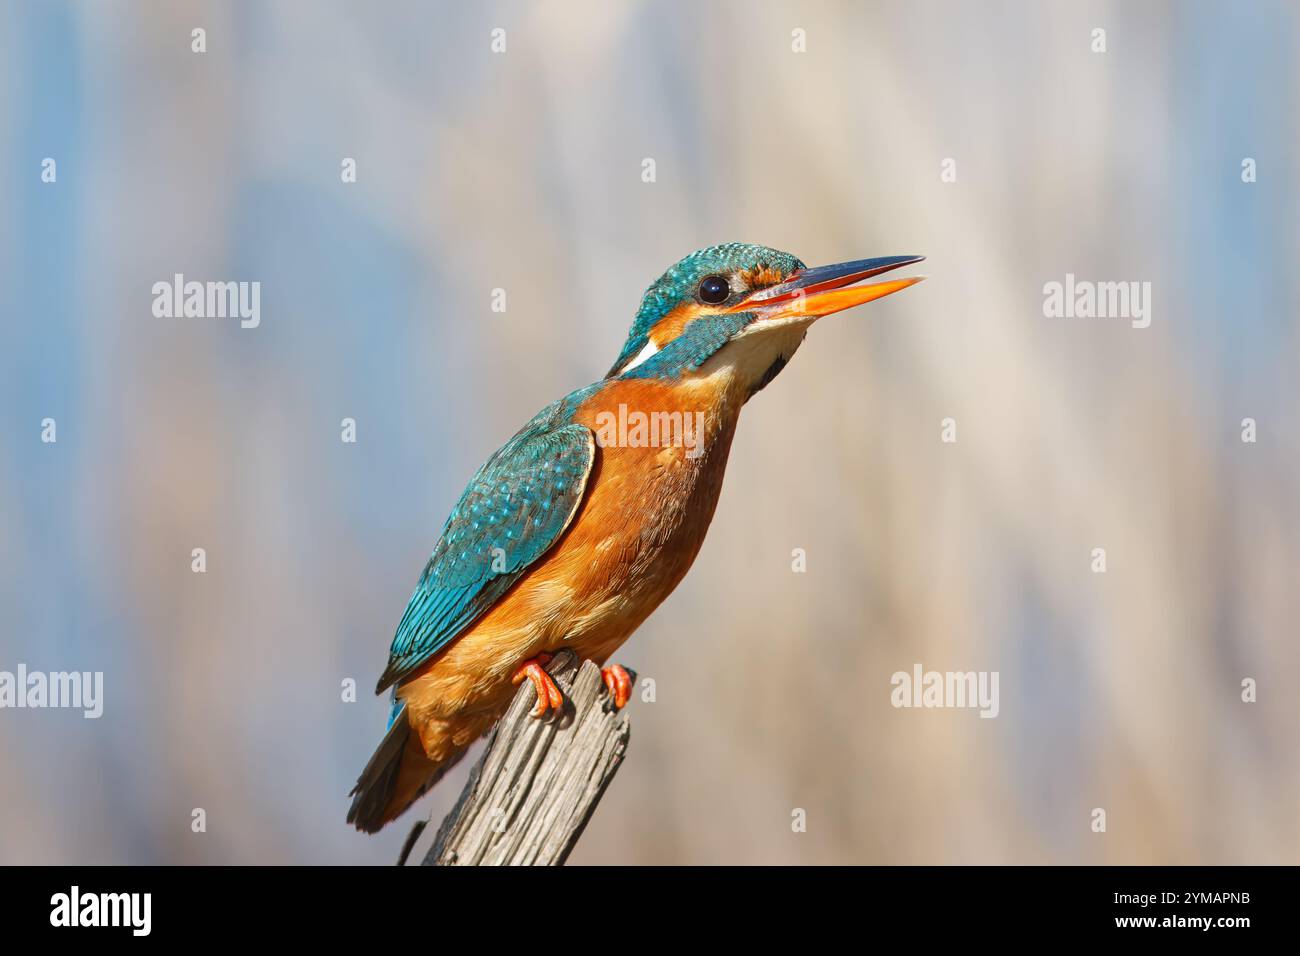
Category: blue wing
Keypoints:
(513, 510)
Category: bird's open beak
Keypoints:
(812, 293)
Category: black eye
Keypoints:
(714, 289)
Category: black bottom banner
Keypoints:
(339, 906)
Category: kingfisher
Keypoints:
(573, 532)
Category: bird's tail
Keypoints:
(378, 781)
(397, 774)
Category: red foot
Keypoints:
(548, 694)
(619, 682)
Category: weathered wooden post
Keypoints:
(532, 792)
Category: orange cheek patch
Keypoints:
(672, 324)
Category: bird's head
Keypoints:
(742, 309)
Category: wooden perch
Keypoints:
(532, 792)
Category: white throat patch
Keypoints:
(645, 353)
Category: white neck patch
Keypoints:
(645, 353)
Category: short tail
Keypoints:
(378, 781)
(397, 774)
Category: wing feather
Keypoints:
(513, 510)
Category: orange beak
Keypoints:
(826, 289)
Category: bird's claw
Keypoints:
(548, 692)
(618, 679)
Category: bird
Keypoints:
(580, 525)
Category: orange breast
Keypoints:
(650, 497)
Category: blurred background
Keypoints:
(522, 170)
